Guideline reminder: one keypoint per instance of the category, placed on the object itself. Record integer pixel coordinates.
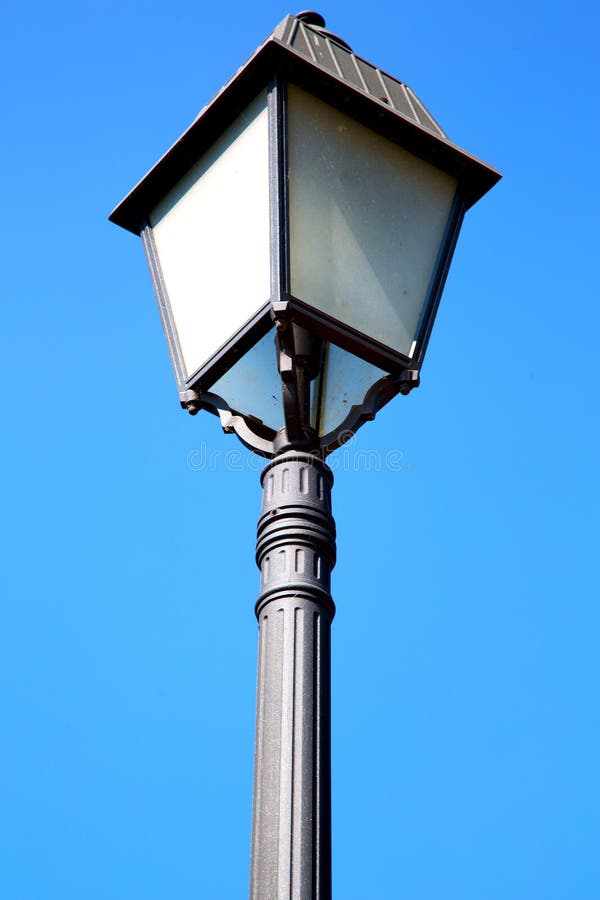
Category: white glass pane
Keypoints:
(344, 382)
(367, 220)
(253, 386)
(212, 236)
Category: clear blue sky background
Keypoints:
(465, 667)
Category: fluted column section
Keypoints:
(291, 831)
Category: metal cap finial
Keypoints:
(315, 20)
(310, 17)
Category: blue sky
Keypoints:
(465, 646)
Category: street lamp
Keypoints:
(299, 235)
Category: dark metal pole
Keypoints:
(295, 551)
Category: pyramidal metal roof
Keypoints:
(303, 50)
(325, 50)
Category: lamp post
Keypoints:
(299, 234)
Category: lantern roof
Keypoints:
(302, 50)
(330, 53)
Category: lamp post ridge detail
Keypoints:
(295, 551)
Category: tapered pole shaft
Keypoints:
(291, 831)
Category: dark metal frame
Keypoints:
(278, 184)
(273, 66)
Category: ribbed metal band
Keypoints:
(291, 835)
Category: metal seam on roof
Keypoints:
(360, 74)
(302, 30)
(323, 51)
(291, 25)
(407, 93)
(385, 89)
(432, 124)
(334, 58)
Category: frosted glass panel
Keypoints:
(344, 382)
(367, 220)
(253, 386)
(212, 236)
